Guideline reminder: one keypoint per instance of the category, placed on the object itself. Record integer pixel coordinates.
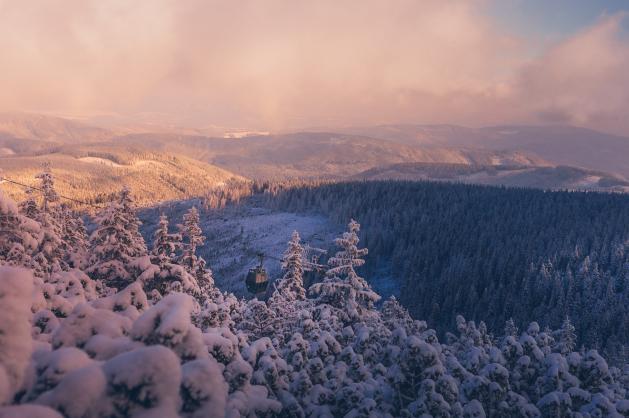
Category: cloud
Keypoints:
(583, 80)
(285, 64)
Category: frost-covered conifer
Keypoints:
(343, 289)
(291, 287)
(19, 235)
(47, 186)
(205, 280)
(50, 255)
(29, 207)
(567, 337)
(116, 242)
(192, 238)
(510, 328)
(165, 244)
(15, 341)
(73, 237)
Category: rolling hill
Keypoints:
(316, 154)
(555, 178)
(183, 164)
(563, 145)
(28, 126)
(92, 174)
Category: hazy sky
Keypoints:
(284, 64)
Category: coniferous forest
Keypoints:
(109, 325)
(488, 253)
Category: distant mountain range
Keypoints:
(562, 145)
(552, 178)
(555, 157)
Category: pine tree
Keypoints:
(291, 287)
(74, 238)
(29, 207)
(567, 337)
(510, 328)
(343, 289)
(205, 281)
(346, 260)
(47, 185)
(192, 238)
(50, 255)
(116, 242)
(165, 244)
(19, 235)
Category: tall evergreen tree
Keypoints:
(47, 185)
(116, 242)
(19, 235)
(74, 238)
(567, 337)
(291, 287)
(50, 256)
(343, 289)
(205, 281)
(192, 238)
(29, 207)
(165, 244)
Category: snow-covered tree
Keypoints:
(71, 348)
(205, 280)
(165, 244)
(567, 340)
(73, 237)
(50, 255)
(510, 328)
(19, 235)
(16, 286)
(116, 242)
(291, 286)
(343, 289)
(192, 238)
(29, 207)
(47, 186)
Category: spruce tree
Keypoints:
(165, 244)
(192, 238)
(510, 328)
(291, 287)
(19, 235)
(29, 207)
(567, 337)
(50, 255)
(74, 238)
(343, 289)
(205, 281)
(116, 242)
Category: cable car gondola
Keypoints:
(257, 278)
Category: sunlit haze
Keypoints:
(282, 65)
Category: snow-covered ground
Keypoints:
(98, 160)
(235, 235)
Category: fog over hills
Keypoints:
(553, 178)
(556, 157)
(17, 125)
(317, 154)
(563, 145)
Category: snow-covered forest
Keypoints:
(488, 253)
(108, 325)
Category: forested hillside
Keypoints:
(489, 253)
(95, 173)
(108, 326)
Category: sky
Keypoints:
(290, 64)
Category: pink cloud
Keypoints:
(284, 64)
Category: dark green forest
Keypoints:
(488, 253)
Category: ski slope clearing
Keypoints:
(235, 235)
